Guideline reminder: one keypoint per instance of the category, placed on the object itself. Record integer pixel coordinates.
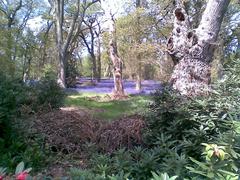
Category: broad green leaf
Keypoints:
(19, 168)
(202, 165)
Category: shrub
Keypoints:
(218, 163)
(15, 143)
(188, 122)
(49, 94)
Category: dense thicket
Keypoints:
(17, 102)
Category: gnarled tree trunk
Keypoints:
(116, 61)
(192, 49)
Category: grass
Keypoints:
(110, 110)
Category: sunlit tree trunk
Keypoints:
(26, 69)
(139, 76)
(99, 64)
(139, 4)
(59, 15)
(192, 49)
(116, 61)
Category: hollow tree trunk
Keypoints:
(117, 63)
(192, 49)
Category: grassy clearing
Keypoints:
(109, 110)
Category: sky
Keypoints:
(116, 7)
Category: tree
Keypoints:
(139, 4)
(14, 18)
(64, 41)
(98, 31)
(90, 45)
(116, 61)
(137, 43)
(192, 49)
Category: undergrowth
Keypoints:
(192, 138)
(184, 138)
(17, 102)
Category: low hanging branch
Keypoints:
(192, 49)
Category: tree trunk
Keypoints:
(99, 65)
(59, 14)
(138, 83)
(139, 4)
(107, 72)
(192, 50)
(26, 68)
(62, 47)
(94, 66)
(117, 63)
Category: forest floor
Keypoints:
(89, 116)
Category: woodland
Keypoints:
(120, 90)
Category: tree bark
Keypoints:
(139, 82)
(62, 47)
(90, 45)
(117, 63)
(59, 15)
(192, 49)
(94, 66)
(99, 65)
(139, 4)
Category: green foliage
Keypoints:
(86, 69)
(20, 172)
(2, 172)
(179, 125)
(138, 163)
(189, 122)
(49, 94)
(15, 143)
(79, 174)
(21, 168)
(71, 73)
(218, 163)
(19, 147)
(163, 176)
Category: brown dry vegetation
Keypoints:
(68, 129)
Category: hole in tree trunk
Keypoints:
(179, 15)
(178, 30)
(170, 43)
(195, 39)
(189, 35)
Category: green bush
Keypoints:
(218, 163)
(15, 143)
(49, 94)
(179, 125)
